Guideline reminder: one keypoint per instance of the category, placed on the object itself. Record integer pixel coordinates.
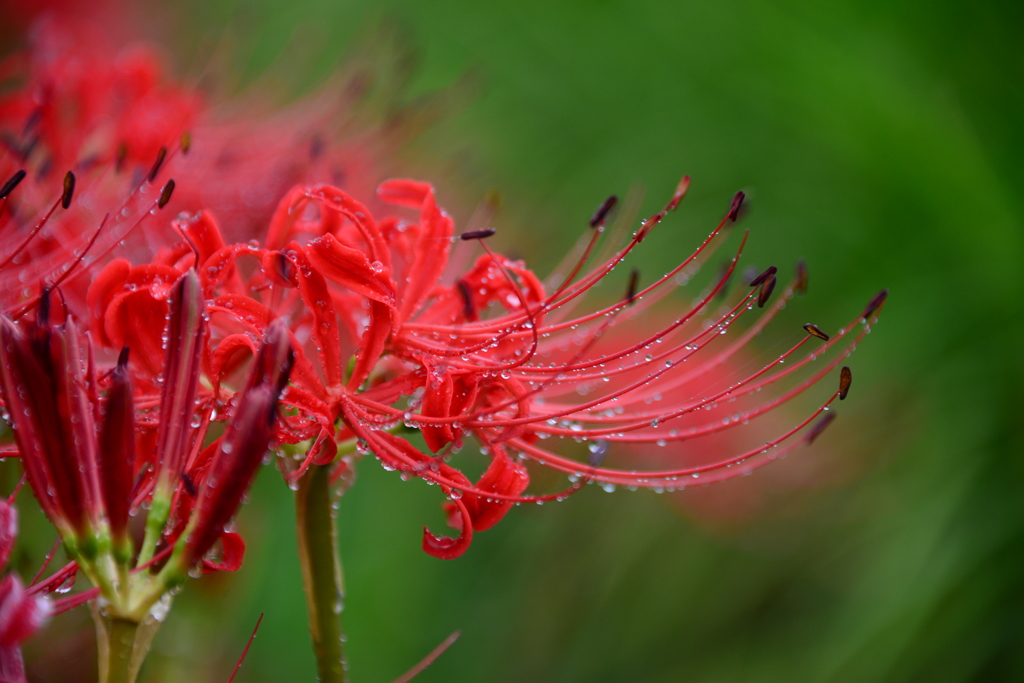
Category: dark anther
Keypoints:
(316, 147)
(190, 486)
(764, 276)
(32, 121)
(845, 377)
(160, 156)
(734, 209)
(634, 279)
(766, 291)
(165, 194)
(43, 312)
(122, 358)
(875, 303)
(602, 211)
(815, 331)
(468, 309)
(24, 151)
(801, 276)
(598, 452)
(284, 267)
(120, 157)
(819, 427)
(477, 234)
(69, 189)
(185, 142)
(12, 183)
(725, 273)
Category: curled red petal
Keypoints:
(505, 476)
(202, 231)
(324, 449)
(232, 552)
(445, 548)
(230, 353)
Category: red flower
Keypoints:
(390, 337)
(104, 118)
(492, 355)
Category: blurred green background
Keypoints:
(882, 142)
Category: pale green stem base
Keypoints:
(123, 645)
(321, 572)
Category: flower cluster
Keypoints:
(384, 348)
(314, 320)
(94, 461)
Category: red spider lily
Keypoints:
(89, 479)
(21, 614)
(384, 341)
(91, 141)
(382, 344)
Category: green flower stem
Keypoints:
(321, 571)
(118, 661)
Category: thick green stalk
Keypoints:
(117, 650)
(321, 571)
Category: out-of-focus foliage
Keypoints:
(880, 141)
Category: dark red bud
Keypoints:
(116, 453)
(244, 443)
